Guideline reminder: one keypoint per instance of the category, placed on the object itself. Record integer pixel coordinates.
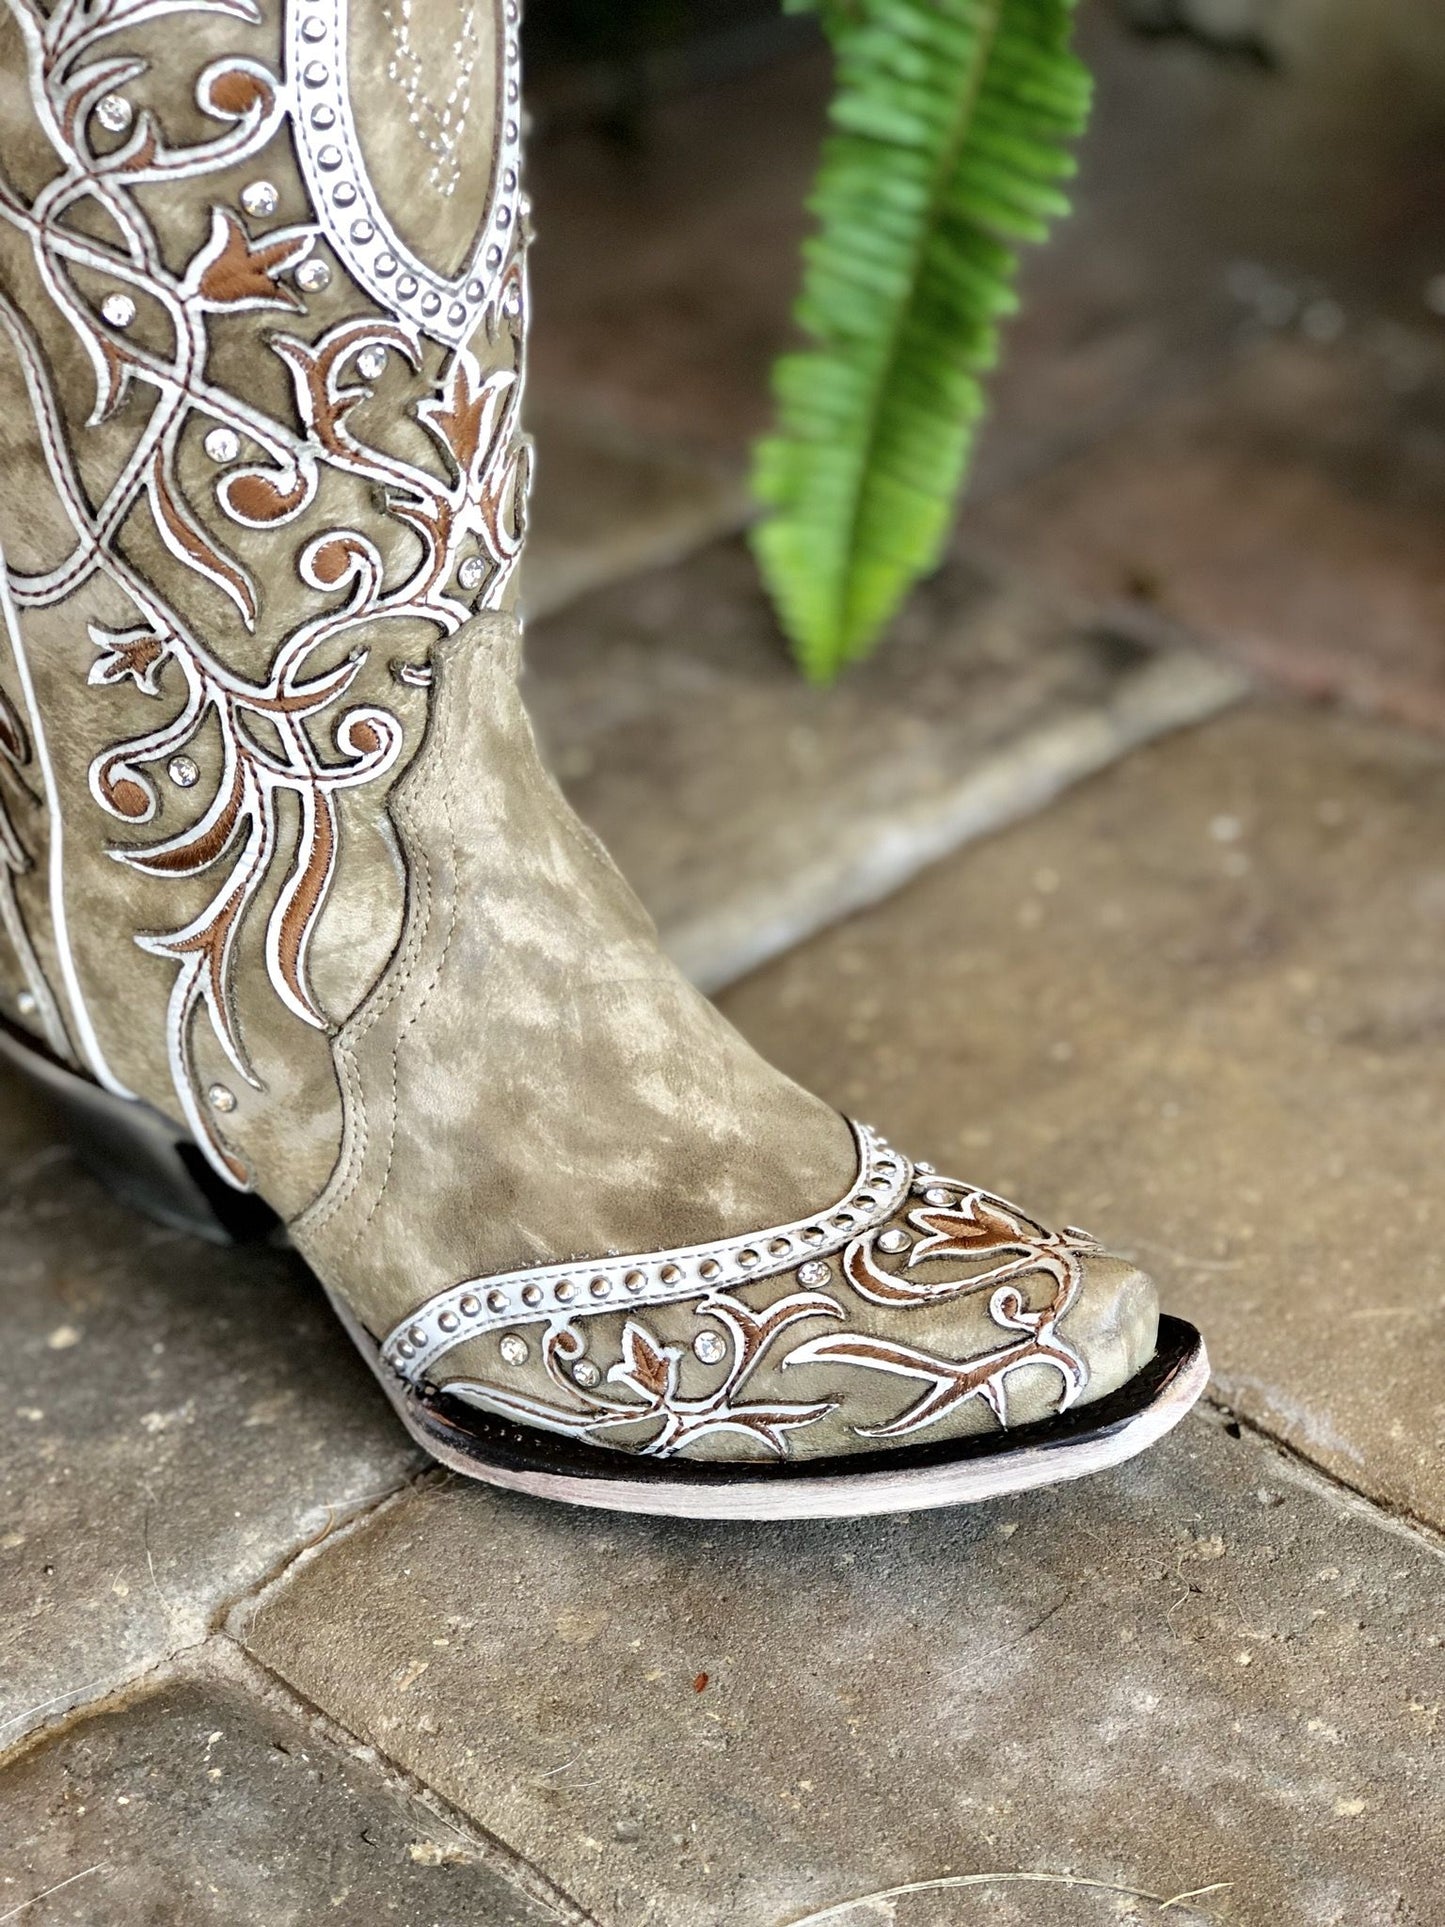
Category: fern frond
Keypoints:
(949, 137)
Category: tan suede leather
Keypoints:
(277, 853)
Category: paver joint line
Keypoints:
(840, 1909)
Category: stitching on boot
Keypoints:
(419, 1008)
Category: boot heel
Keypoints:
(141, 1156)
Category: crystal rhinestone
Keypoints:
(223, 444)
(25, 1003)
(710, 1347)
(815, 1272)
(313, 276)
(260, 198)
(513, 1349)
(935, 1194)
(183, 772)
(371, 363)
(893, 1240)
(470, 574)
(512, 304)
(448, 1321)
(114, 112)
(221, 1098)
(586, 1374)
(470, 1306)
(118, 310)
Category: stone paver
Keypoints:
(1201, 1669)
(1293, 511)
(749, 809)
(607, 505)
(203, 1806)
(1197, 1008)
(175, 1421)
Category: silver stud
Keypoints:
(815, 1272)
(431, 304)
(183, 772)
(363, 233)
(313, 29)
(531, 1294)
(925, 1167)
(814, 1235)
(709, 1269)
(471, 572)
(343, 194)
(26, 1003)
(893, 1240)
(747, 1259)
(586, 1374)
(316, 73)
(407, 286)
(221, 1098)
(260, 198)
(494, 257)
(313, 276)
(669, 1275)
(935, 1194)
(779, 1247)
(564, 1290)
(470, 1306)
(417, 1335)
(476, 290)
(323, 117)
(223, 444)
(512, 303)
(601, 1288)
(513, 1349)
(456, 314)
(710, 1347)
(635, 1280)
(118, 310)
(448, 1321)
(114, 112)
(329, 158)
(371, 363)
(496, 1301)
(385, 263)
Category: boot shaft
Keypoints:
(262, 315)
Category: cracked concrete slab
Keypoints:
(1200, 1671)
(201, 1805)
(176, 1421)
(1197, 1008)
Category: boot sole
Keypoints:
(152, 1165)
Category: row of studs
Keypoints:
(344, 198)
(485, 1305)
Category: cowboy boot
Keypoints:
(291, 910)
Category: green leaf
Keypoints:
(948, 140)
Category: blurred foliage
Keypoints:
(948, 138)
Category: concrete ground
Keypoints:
(260, 1667)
